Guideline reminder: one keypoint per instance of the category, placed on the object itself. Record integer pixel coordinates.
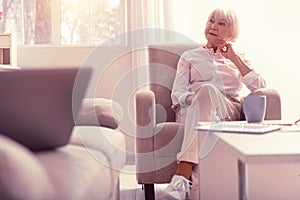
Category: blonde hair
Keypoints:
(230, 17)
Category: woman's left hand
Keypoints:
(226, 49)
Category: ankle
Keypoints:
(185, 169)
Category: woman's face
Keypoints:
(216, 30)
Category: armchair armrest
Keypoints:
(145, 108)
(273, 109)
(145, 122)
(145, 117)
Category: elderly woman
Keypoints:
(207, 88)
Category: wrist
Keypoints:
(236, 59)
(241, 65)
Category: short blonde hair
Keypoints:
(230, 17)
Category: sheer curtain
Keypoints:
(151, 14)
(151, 22)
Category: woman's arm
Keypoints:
(227, 51)
(250, 78)
(181, 86)
(241, 65)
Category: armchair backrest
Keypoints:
(163, 59)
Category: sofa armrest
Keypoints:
(273, 109)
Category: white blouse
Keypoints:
(204, 66)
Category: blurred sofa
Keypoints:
(88, 167)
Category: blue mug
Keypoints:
(254, 108)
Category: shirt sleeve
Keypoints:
(253, 81)
(181, 86)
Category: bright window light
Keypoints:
(64, 22)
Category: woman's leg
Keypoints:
(185, 169)
(210, 105)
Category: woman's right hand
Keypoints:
(188, 99)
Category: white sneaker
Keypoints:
(178, 188)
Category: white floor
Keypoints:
(130, 190)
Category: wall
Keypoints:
(269, 36)
(99, 58)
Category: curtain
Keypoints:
(151, 14)
(151, 22)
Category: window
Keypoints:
(64, 22)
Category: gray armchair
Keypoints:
(158, 136)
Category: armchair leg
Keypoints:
(149, 192)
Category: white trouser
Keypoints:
(208, 104)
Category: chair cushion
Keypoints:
(100, 112)
(21, 174)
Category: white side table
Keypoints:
(246, 166)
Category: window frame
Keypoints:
(56, 28)
(58, 55)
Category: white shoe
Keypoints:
(178, 188)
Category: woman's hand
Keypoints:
(188, 99)
(226, 50)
